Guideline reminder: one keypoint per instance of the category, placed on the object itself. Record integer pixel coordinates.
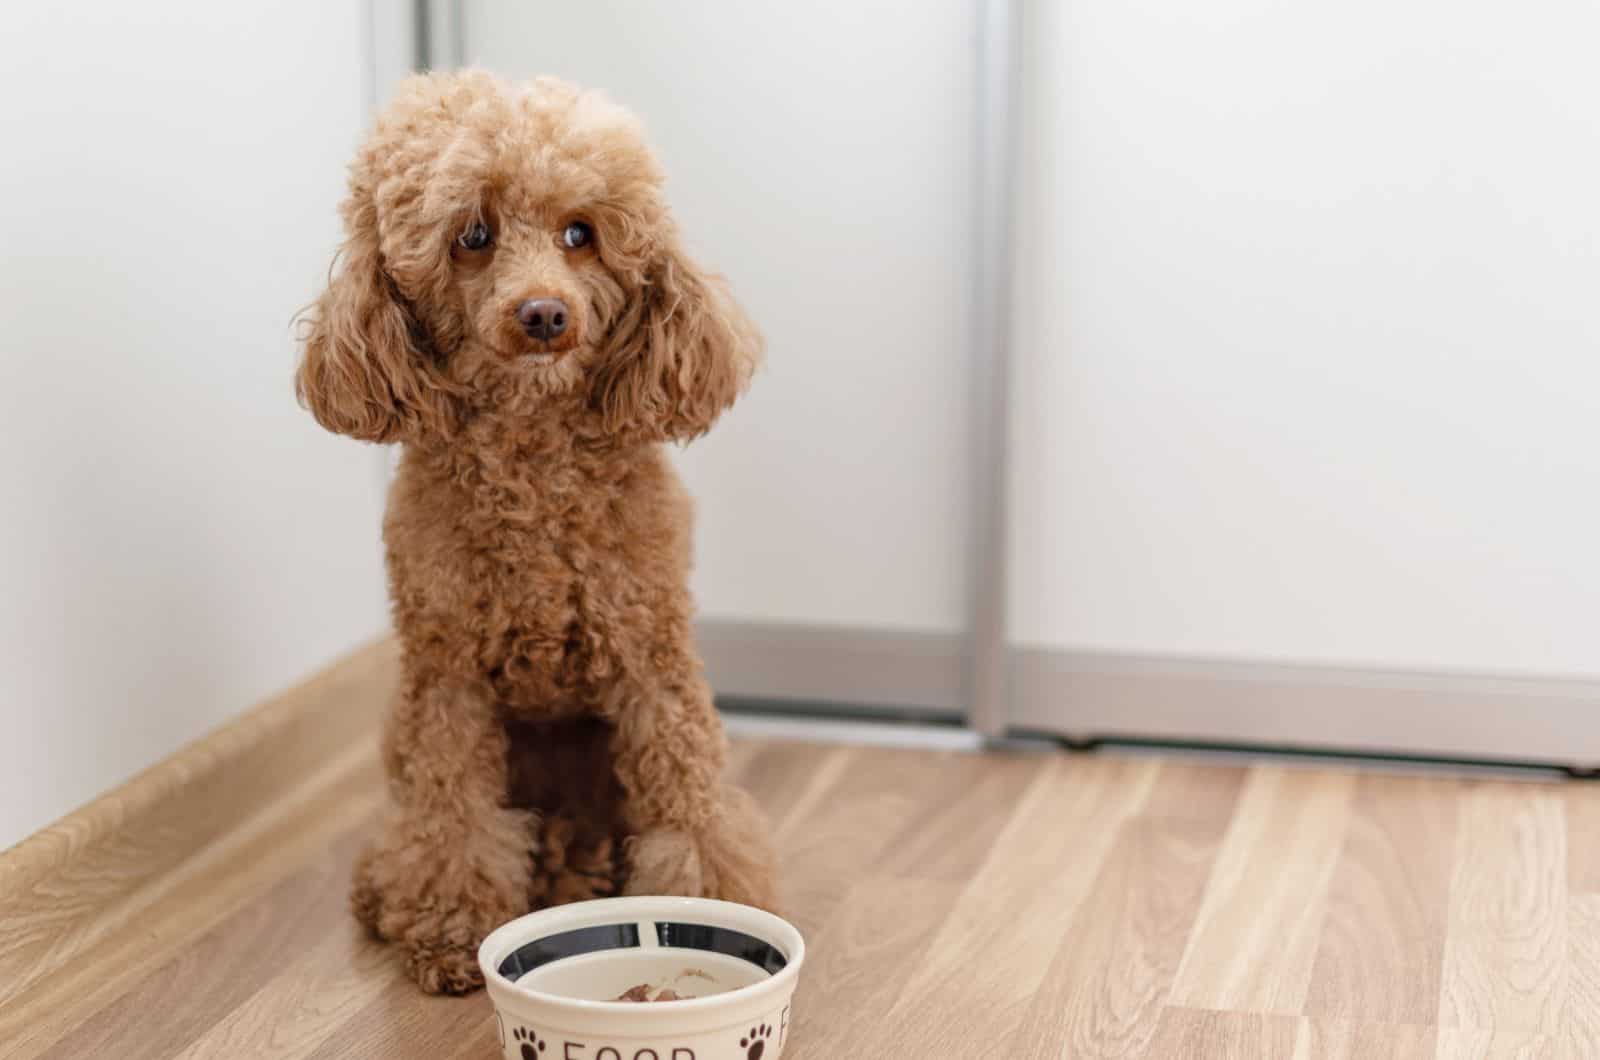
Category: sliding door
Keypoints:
(1306, 440)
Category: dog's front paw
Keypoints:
(663, 861)
(731, 862)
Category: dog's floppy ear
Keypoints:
(680, 352)
(366, 371)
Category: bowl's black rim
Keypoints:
(639, 909)
(670, 934)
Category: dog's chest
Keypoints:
(535, 585)
(543, 583)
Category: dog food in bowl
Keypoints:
(643, 979)
(649, 992)
(646, 992)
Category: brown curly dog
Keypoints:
(515, 309)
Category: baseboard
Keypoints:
(1090, 695)
(1451, 715)
(854, 732)
(821, 664)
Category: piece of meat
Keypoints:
(642, 993)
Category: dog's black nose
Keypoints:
(543, 318)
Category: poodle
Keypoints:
(514, 307)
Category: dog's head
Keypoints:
(510, 245)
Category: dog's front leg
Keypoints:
(453, 861)
(690, 833)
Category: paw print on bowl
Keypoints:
(755, 1043)
(532, 1044)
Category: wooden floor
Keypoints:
(972, 906)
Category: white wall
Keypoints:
(1309, 320)
(179, 539)
(820, 156)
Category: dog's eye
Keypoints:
(577, 235)
(476, 237)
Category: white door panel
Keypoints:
(1309, 334)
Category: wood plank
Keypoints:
(1255, 938)
(217, 971)
(481, 1044)
(1200, 1034)
(1506, 948)
(821, 768)
(398, 1020)
(786, 779)
(1382, 949)
(201, 893)
(740, 754)
(970, 995)
(297, 1010)
(1116, 961)
(976, 792)
(1328, 1040)
(858, 964)
(1580, 1035)
(1582, 804)
(868, 822)
(1580, 1031)
(1458, 1043)
(64, 888)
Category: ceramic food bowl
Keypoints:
(555, 978)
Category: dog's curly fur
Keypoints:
(553, 738)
